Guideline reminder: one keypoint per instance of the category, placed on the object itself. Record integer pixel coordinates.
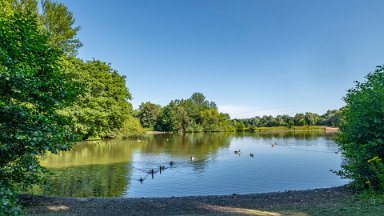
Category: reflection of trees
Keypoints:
(184, 146)
(202, 144)
(91, 153)
(87, 181)
(90, 169)
(104, 168)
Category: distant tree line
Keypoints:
(196, 114)
(330, 118)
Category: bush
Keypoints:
(132, 127)
(8, 201)
(362, 132)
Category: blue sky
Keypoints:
(252, 57)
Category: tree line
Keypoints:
(196, 114)
(331, 118)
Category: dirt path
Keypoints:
(252, 204)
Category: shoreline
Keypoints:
(273, 203)
(326, 129)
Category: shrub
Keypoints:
(8, 201)
(362, 132)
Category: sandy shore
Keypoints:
(251, 204)
(331, 129)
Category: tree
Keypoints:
(168, 120)
(198, 99)
(148, 113)
(311, 118)
(331, 118)
(288, 120)
(25, 6)
(362, 132)
(103, 107)
(280, 121)
(268, 121)
(54, 19)
(32, 90)
(299, 119)
(182, 119)
(58, 21)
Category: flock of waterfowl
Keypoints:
(162, 167)
(239, 151)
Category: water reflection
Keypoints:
(87, 181)
(194, 164)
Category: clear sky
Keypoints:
(252, 57)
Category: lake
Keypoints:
(202, 164)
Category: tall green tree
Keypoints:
(362, 132)
(55, 19)
(311, 118)
(148, 113)
(33, 89)
(168, 120)
(299, 119)
(104, 106)
(59, 22)
(198, 99)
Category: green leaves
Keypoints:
(102, 109)
(148, 113)
(193, 115)
(32, 90)
(362, 131)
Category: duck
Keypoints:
(237, 151)
(251, 154)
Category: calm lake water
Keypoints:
(122, 168)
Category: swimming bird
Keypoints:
(252, 155)
(193, 158)
(237, 151)
(171, 163)
(275, 144)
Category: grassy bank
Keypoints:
(330, 201)
(293, 128)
